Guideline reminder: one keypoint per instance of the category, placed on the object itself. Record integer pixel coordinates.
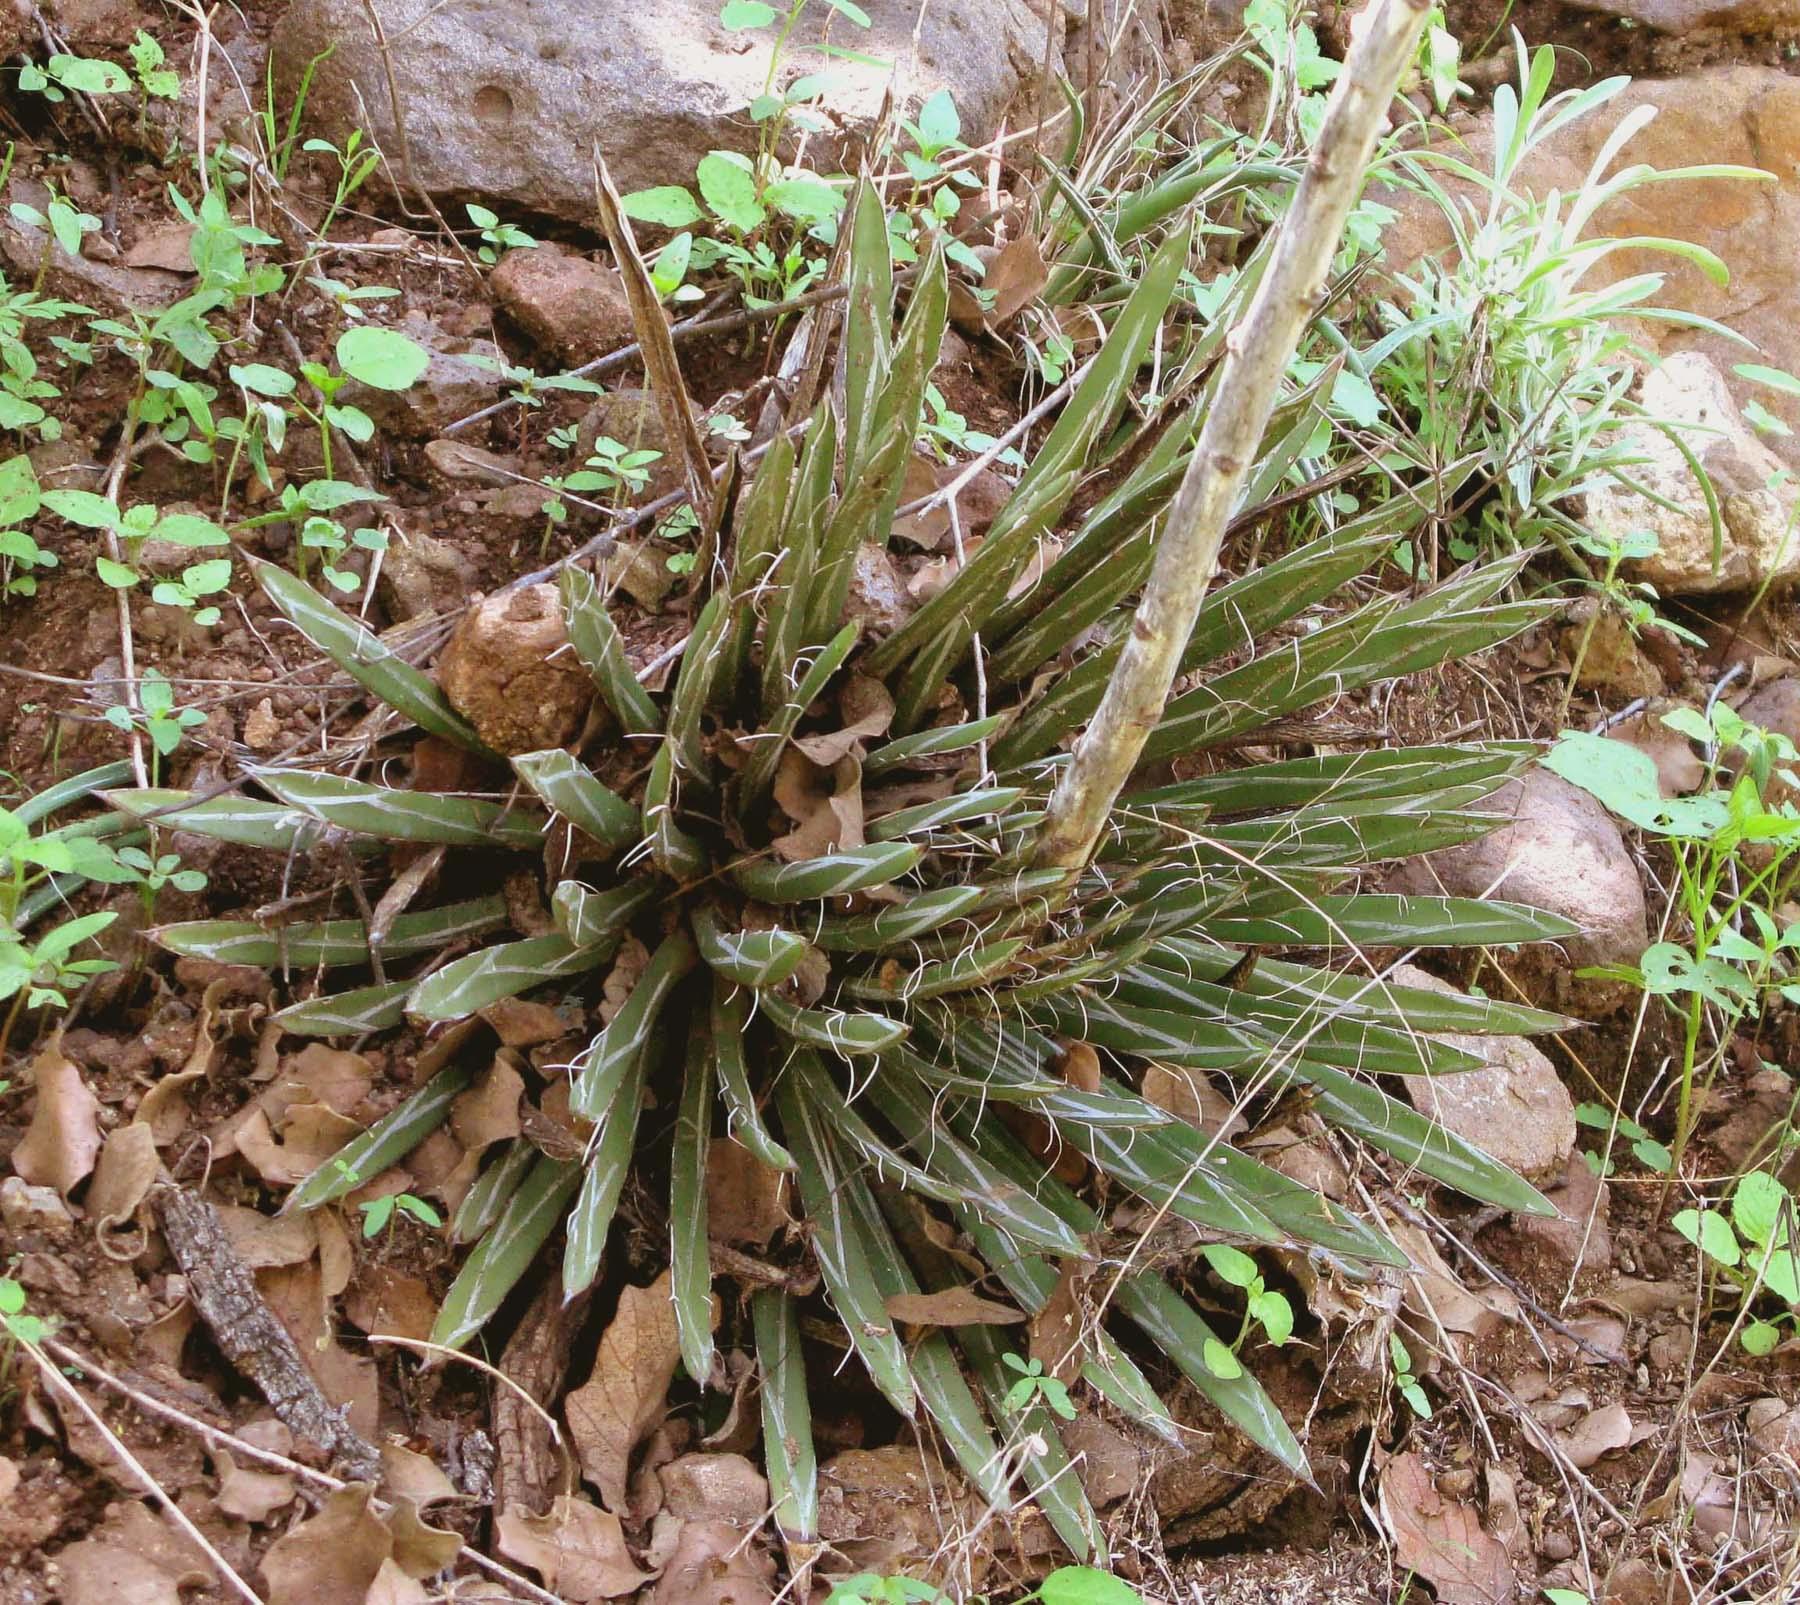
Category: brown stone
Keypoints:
(509, 671)
(565, 303)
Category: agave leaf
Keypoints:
(849, 1035)
(933, 743)
(328, 942)
(366, 658)
(1374, 919)
(856, 869)
(730, 1020)
(788, 1455)
(924, 818)
(613, 1053)
(690, 1259)
(1365, 1111)
(941, 629)
(898, 923)
(1171, 1324)
(347, 1014)
(748, 958)
(856, 1134)
(40, 805)
(868, 318)
(1043, 1460)
(758, 775)
(757, 528)
(598, 644)
(563, 783)
(246, 821)
(588, 918)
(1374, 775)
(933, 1071)
(391, 814)
(677, 854)
(506, 1252)
(1380, 641)
(487, 1196)
(1232, 614)
(702, 665)
(790, 577)
(392, 1137)
(865, 511)
(977, 1185)
(841, 1250)
(608, 1164)
(976, 967)
(466, 985)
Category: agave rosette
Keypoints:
(884, 1020)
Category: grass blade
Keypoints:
(347, 1014)
(467, 985)
(484, 1200)
(788, 1455)
(730, 1020)
(690, 1259)
(608, 1164)
(392, 1137)
(505, 1253)
(856, 869)
(390, 814)
(600, 647)
(328, 943)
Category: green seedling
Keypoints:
(1752, 1244)
(62, 75)
(355, 163)
(1650, 1153)
(1404, 1380)
(1036, 1383)
(162, 722)
(380, 1214)
(1262, 1307)
(20, 554)
(495, 235)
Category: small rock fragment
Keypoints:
(25, 1208)
(716, 1488)
(567, 304)
(1516, 1109)
(509, 671)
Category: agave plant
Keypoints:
(890, 1020)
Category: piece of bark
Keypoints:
(531, 1468)
(224, 1293)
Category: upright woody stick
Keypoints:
(1255, 355)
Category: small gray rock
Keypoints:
(1516, 1109)
(24, 1208)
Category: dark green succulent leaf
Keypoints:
(467, 985)
(328, 943)
(600, 647)
(615, 1114)
(617, 1050)
(758, 775)
(857, 1136)
(924, 818)
(760, 517)
(487, 1196)
(933, 743)
(347, 1014)
(703, 665)
(848, 1034)
(588, 918)
(676, 852)
(748, 958)
(868, 318)
(391, 1138)
(972, 968)
(976, 1184)
(898, 923)
(788, 1454)
(1379, 919)
(855, 869)
(1374, 775)
(690, 1259)
(568, 787)
(936, 1071)
(1231, 615)
(505, 1253)
(245, 821)
(840, 1248)
(1365, 1111)
(40, 805)
(1169, 1321)
(730, 1020)
(938, 634)
(366, 658)
(391, 814)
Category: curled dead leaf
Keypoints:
(1015, 277)
(1597, 1433)
(712, 1565)
(333, 1557)
(59, 1148)
(952, 1306)
(1442, 1539)
(247, 1494)
(489, 1111)
(128, 1165)
(578, 1549)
